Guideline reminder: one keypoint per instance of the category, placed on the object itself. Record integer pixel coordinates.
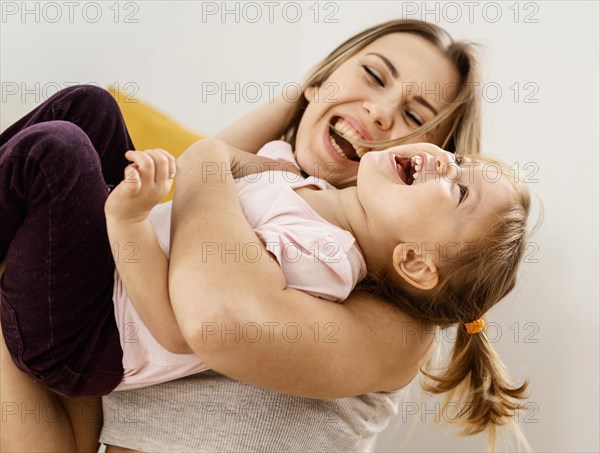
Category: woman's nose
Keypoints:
(380, 114)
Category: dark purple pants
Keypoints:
(56, 292)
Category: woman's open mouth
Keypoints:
(339, 131)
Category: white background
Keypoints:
(547, 328)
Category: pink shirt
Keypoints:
(316, 257)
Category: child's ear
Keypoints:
(309, 93)
(412, 267)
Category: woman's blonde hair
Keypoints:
(470, 283)
(463, 114)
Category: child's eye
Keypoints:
(414, 118)
(374, 76)
(459, 160)
(462, 193)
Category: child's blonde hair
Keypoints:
(463, 113)
(469, 285)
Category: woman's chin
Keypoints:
(319, 163)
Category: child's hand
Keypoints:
(147, 181)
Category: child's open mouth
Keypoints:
(339, 131)
(408, 167)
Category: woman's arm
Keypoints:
(238, 315)
(239, 163)
(267, 122)
(253, 130)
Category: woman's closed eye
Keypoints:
(373, 76)
(409, 115)
(416, 119)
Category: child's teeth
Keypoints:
(417, 162)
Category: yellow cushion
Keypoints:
(150, 128)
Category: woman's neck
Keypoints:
(343, 209)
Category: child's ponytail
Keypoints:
(476, 384)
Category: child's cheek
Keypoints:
(439, 195)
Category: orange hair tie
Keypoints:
(475, 326)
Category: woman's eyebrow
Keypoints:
(425, 104)
(388, 63)
(396, 74)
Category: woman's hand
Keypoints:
(212, 152)
(147, 181)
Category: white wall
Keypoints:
(548, 327)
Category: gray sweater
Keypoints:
(212, 413)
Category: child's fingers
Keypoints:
(143, 164)
(172, 165)
(161, 166)
(131, 183)
(164, 165)
(132, 176)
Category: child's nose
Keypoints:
(445, 165)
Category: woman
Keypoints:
(213, 412)
(417, 52)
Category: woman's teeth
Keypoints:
(337, 147)
(345, 129)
